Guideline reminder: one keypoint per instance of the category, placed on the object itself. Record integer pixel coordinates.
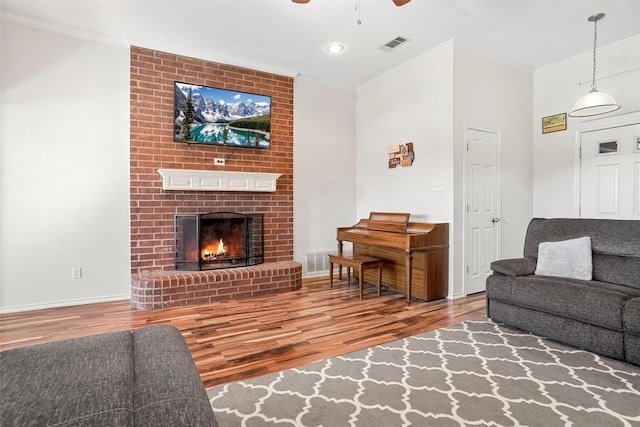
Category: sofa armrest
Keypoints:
(515, 266)
(168, 390)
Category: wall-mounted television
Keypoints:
(213, 116)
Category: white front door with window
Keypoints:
(610, 173)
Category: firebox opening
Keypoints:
(222, 241)
(218, 240)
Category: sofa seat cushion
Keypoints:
(593, 302)
(84, 381)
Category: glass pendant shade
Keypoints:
(594, 103)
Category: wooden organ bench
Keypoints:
(357, 262)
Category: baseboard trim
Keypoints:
(65, 303)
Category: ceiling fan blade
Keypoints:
(396, 2)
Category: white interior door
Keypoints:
(610, 173)
(482, 199)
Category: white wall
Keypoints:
(428, 101)
(64, 169)
(323, 163)
(494, 96)
(64, 153)
(556, 88)
(412, 103)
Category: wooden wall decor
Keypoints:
(400, 155)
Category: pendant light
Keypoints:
(594, 102)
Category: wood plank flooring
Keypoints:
(240, 339)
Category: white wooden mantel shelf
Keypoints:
(199, 180)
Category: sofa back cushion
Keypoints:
(615, 244)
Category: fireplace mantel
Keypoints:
(200, 180)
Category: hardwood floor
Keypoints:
(239, 339)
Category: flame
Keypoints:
(221, 248)
(212, 252)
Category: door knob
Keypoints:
(494, 220)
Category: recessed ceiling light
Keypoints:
(335, 48)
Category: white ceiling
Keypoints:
(286, 38)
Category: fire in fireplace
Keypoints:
(218, 240)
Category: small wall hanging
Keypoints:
(554, 123)
(400, 155)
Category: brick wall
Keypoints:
(152, 147)
(155, 283)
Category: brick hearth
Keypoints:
(174, 288)
(155, 283)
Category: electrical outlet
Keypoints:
(438, 186)
(219, 162)
(76, 272)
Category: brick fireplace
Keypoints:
(155, 281)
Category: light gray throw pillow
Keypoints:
(567, 258)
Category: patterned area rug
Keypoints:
(473, 373)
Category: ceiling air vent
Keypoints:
(390, 45)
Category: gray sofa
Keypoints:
(601, 315)
(142, 378)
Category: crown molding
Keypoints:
(468, 48)
(63, 29)
(149, 44)
(323, 82)
(583, 56)
(406, 65)
(209, 56)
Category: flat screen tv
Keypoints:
(213, 116)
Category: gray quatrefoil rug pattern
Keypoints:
(472, 373)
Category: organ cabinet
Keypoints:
(415, 254)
